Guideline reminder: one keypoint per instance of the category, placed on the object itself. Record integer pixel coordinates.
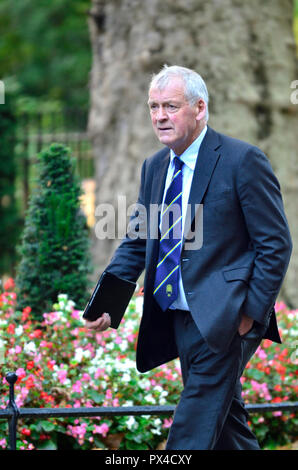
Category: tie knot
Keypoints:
(178, 163)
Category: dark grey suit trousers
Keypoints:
(211, 412)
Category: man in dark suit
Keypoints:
(209, 292)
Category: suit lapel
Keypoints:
(206, 162)
(158, 183)
(159, 178)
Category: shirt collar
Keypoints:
(189, 156)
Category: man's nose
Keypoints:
(161, 114)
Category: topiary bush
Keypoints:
(55, 255)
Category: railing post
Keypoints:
(11, 378)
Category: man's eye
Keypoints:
(172, 107)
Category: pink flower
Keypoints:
(76, 314)
(280, 306)
(51, 317)
(167, 423)
(62, 375)
(78, 432)
(86, 377)
(3, 443)
(261, 389)
(98, 373)
(102, 429)
(77, 387)
(21, 373)
(261, 354)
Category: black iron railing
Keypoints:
(12, 413)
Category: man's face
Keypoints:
(176, 123)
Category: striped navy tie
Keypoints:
(167, 270)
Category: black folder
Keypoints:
(112, 295)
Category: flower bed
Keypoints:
(61, 364)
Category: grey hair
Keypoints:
(195, 87)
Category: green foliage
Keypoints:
(55, 248)
(45, 46)
(10, 222)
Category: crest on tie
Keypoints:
(169, 290)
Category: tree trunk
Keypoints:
(246, 53)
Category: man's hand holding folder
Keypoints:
(101, 324)
(108, 302)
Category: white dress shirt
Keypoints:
(189, 158)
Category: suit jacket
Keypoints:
(243, 259)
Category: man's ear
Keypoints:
(201, 109)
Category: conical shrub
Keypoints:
(55, 250)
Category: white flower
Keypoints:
(69, 306)
(150, 399)
(131, 423)
(98, 355)
(30, 348)
(126, 377)
(128, 403)
(139, 304)
(145, 383)
(63, 297)
(19, 330)
(80, 354)
(92, 370)
(123, 345)
(125, 365)
(129, 324)
(108, 369)
(87, 354)
(157, 424)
